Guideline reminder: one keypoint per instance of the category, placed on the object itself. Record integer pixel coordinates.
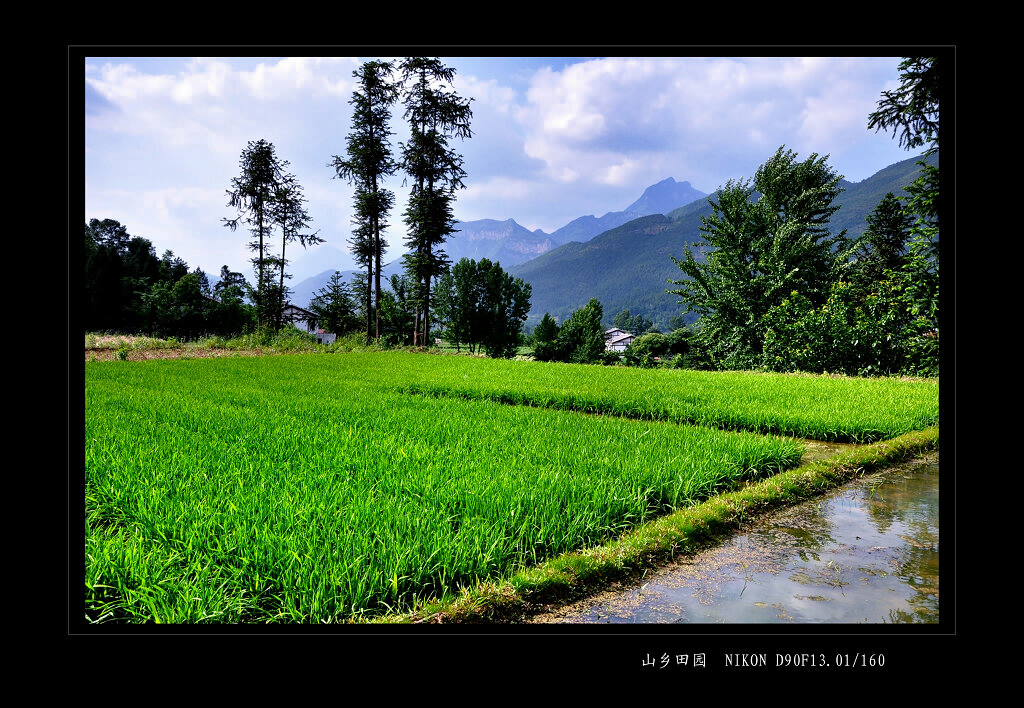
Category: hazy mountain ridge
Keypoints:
(509, 243)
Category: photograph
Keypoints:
(628, 360)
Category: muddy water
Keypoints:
(866, 553)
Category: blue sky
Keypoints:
(554, 138)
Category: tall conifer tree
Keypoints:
(253, 194)
(435, 114)
(367, 163)
(290, 212)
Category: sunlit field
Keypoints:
(325, 488)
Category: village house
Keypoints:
(300, 317)
(616, 339)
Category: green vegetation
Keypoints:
(780, 291)
(682, 532)
(580, 339)
(761, 249)
(436, 114)
(836, 408)
(479, 305)
(310, 488)
(368, 161)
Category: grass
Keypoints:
(283, 489)
(317, 489)
(842, 409)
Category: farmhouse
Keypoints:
(300, 317)
(616, 339)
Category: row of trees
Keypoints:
(268, 199)
(129, 289)
(436, 115)
(481, 306)
(579, 340)
(776, 289)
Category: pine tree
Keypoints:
(367, 164)
(883, 246)
(253, 194)
(334, 307)
(435, 114)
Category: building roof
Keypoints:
(301, 310)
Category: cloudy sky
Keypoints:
(553, 138)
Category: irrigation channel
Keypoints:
(867, 552)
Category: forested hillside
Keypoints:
(629, 267)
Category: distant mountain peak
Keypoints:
(663, 197)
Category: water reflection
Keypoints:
(866, 553)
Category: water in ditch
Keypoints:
(868, 552)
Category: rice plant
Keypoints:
(313, 489)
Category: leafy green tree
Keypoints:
(335, 306)
(253, 194)
(398, 311)
(634, 324)
(545, 339)
(103, 273)
(504, 307)
(231, 314)
(912, 112)
(760, 251)
(623, 320)
(646, 350)
(108, 232)
(581, 337)
(483, 306)
(231, 284)
(854, 332)
(455, 303)
(435, 115)
(367, 163)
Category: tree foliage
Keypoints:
(758, 250)
(335, 307)
(482, 306)
(881, 316)
(397, 312)
(252, 194)
(290, 213)
(912, 110)
(634, 324)
(545, 338)
(436, 114)
(368, 161)
(580, 339)
(883, 245)
(129, 290)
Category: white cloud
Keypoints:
(301, 75)
(612, 120)
(486, 92)
(163, 135)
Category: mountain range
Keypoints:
(507, 242)
(623, 258)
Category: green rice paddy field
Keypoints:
(335, 487)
